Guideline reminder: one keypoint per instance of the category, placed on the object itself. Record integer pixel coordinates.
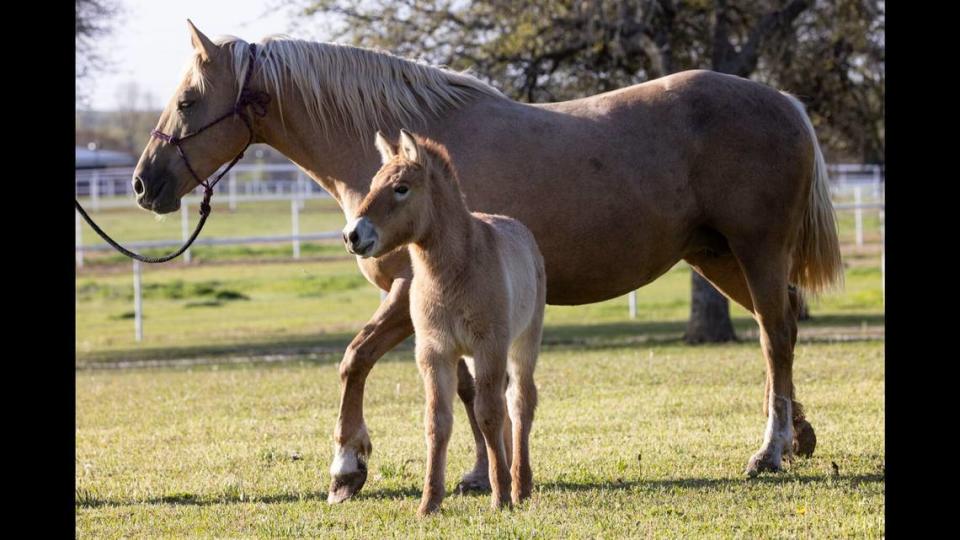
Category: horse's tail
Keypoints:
(816, 259)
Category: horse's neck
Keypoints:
(337, 159)
(331, 154)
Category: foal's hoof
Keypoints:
(804, 439)
(474, 483)
(344, 486)
(762, 462)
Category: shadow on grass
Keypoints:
(329, 348)
(619, 333)
(709, 483)
(189, 499)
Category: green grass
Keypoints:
(643, 440)
(636, 434)
(311, 306)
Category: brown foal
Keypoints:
(478, 292)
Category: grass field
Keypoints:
(644, 440)
(636, 435)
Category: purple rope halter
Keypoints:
(257, 101)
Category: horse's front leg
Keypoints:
(389, 326)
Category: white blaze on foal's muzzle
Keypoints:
(360, 236)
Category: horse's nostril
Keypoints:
(344, 238)
(354, 237)
(138, 186)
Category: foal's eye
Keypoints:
(186, 104)
(401, 189)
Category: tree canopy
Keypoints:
(93, 19)
(828, 52)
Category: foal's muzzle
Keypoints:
(360, 237)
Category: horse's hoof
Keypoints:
(428, 507)
(804, 439)
(344, 486)
(762, 462)
(474, 483)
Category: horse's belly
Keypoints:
(599, 278)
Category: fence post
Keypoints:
(79, 240)
(858, 200)
(632, 301)
(876, 182)
(295, 219)
(883, 253)
(185, 229)
(95, 190)
(232, 187)
(301, 188)
(137, 302)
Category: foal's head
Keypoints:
(415, 183)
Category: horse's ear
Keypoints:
(409, 148)
(202, 43)
(387, 150)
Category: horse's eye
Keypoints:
(186, 104)
(401, 189)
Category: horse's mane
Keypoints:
(363, 89)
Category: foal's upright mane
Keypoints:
(362, 89)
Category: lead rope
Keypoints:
(259, 102)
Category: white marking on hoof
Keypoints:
(345, 461)
(778, 436)
(347, 458)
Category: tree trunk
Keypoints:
(804, 314)
(709, 314)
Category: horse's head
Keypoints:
(209, 89)
(398, 205)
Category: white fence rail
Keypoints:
(112, 188)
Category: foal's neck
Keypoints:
(442, 252)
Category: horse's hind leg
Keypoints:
(725, 273)
(478, 479)
(765, 271)
(521, 402)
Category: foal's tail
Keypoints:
(816, 259)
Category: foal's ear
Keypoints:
(387, 150)
(202, 43)
(409, 147)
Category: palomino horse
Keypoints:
(719, 171)
(478, 291)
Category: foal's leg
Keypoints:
(491, 372)
(478, 479)
(439, 382)
(766, 273)
(389, 326)
(522, 400)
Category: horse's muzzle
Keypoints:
(360, 237)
